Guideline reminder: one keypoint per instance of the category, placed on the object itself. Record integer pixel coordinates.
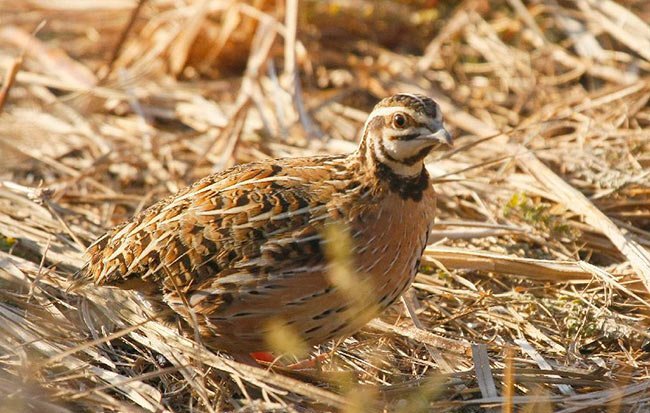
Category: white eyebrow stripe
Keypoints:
(391, 110)
(420, 118)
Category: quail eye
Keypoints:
(399, 120)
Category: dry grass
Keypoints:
(534, 296)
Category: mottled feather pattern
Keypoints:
(245, 246)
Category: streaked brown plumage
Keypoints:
(246, 246)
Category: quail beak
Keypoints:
(442, 136)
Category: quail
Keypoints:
(253, 244)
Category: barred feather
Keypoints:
(248, 245)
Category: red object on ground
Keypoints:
(264, 356)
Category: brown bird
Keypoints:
(247, 249)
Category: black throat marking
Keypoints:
(406, 188)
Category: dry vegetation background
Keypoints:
(534, 295)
